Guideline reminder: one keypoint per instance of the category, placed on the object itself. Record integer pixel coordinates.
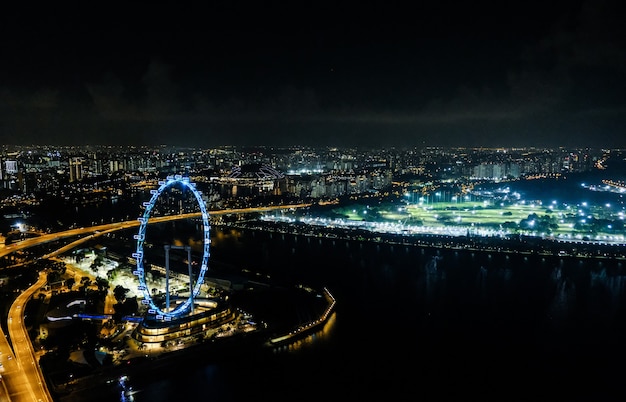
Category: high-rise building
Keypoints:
(8, 174)
(76, 169)
(10, 167)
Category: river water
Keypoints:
(418, 323)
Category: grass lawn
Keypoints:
(481, 214)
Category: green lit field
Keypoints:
(535, 219)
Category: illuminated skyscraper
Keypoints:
(76, 169)
(10, 167)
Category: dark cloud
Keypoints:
(519, 73)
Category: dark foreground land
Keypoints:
(278, 309)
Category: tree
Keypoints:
(102, 283)
(53, 276)
(97, 263)
(120, 293)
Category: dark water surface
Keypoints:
(418, 324)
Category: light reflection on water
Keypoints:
(310, 339)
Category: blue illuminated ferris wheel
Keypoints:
(183, 308)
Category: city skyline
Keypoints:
(474, 263)
(344, 74)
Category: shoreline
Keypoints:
(514, 245)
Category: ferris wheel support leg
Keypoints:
(167, 277)
(188, 248)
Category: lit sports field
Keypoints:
(483, 215)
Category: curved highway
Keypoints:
(99, 230)
(25, 377)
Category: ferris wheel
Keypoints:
(167, 313)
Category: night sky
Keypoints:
(438, 73)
